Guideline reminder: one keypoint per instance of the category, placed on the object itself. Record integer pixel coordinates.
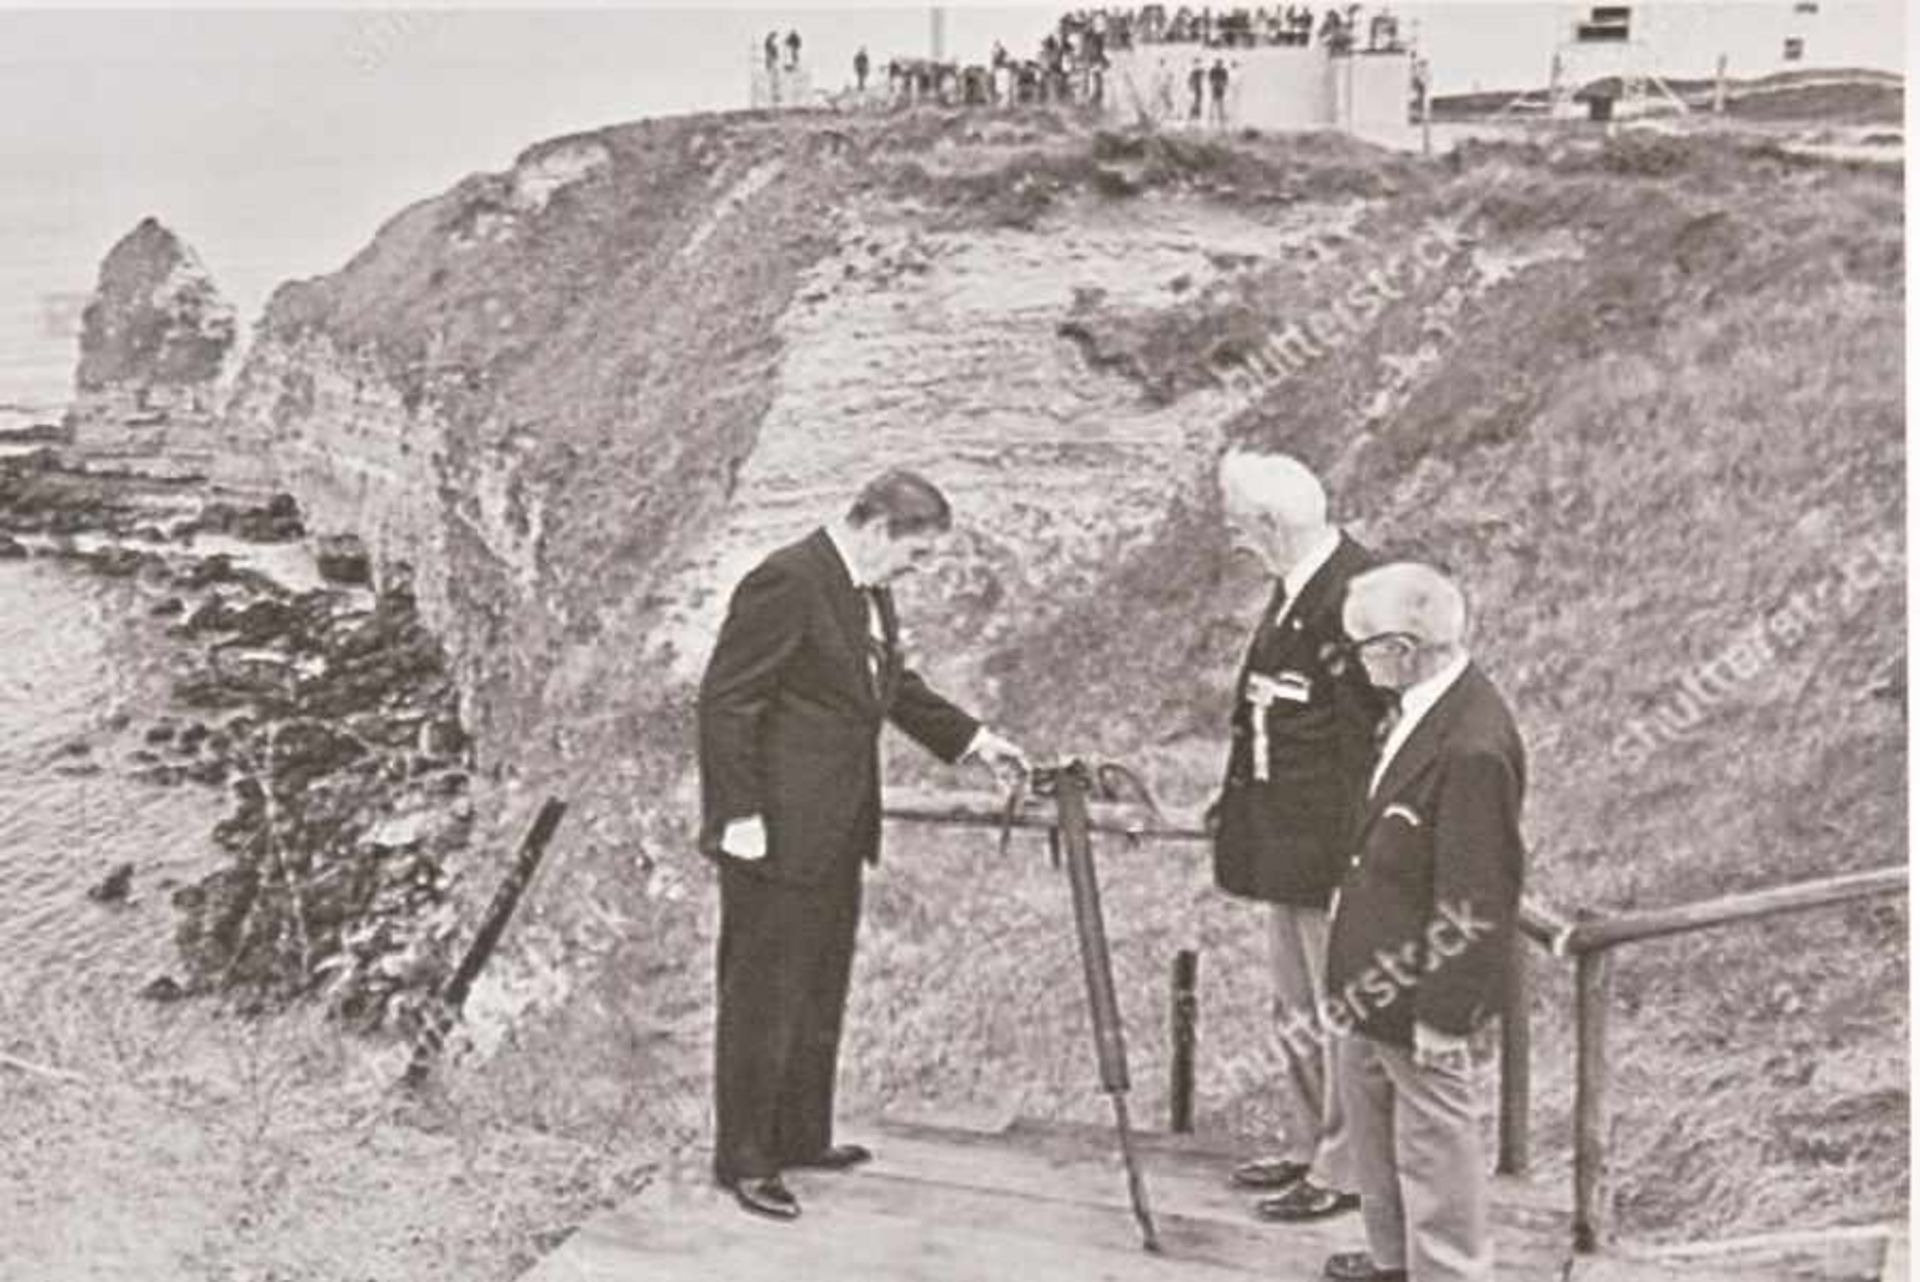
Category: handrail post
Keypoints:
(1516, 1063)
(1185, 1014)
(1592, 1185)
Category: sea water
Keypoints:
(83, 675)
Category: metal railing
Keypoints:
(1588, 939)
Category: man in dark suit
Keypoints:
(1422, 930)
(1302, 744)
(806, 669)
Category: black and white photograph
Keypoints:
(996, 642)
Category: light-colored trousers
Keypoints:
(1419, 1161)
(1310, 1103)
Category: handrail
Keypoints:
(1652, 923)
(1589, 939)
(1131, 819)
(1591, 942)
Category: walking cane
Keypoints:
(1071, 783)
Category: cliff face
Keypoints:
(577, 399)
(154, 341)
(1641, 394)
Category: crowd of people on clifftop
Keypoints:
(1072, 62)
(1236, 28)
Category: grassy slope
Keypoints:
(1632, 460)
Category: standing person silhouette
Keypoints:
(807, 668)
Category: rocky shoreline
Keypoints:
(327, 714)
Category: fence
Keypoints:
(1588, 939)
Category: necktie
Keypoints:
(1382, 732)
(1388, 719)
(879, 642)
(1277, 608)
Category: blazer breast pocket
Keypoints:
(1400, 847)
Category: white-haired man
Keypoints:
(1422, 929)
(1302, 744)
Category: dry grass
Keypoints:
(204, 1146)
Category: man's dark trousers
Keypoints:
(786, 954)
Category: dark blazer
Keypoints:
(1423, 928)
(790, 715)
(1285, 839)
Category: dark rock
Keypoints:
(308, 749)
(261, 621)
(211, 615)
(164, 988)
(162, 733)
(277, 522)
(117, 562)
(208, 690)
(114, 887)
(167, 608)
(342, 559)
(11, 549)
(212, 772)
(207, 571)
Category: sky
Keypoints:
(277, 140)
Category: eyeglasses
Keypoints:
(1337, 654)
(1402, 640)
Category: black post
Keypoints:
(446, 1009)
(1109, 1041)
(1516, 1064)
(1592, 1182)
(1186, 1013)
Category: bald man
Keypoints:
(1301, 746)
(1422, 929)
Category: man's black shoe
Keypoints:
(1358, 1266)
(838, 1158)
(1304, 1201)
(765, 1196)
(1268, 1174)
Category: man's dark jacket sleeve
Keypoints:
(1477, 871)
(765, 624)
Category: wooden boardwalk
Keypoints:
(1029, 1202)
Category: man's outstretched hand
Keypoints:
(1001, 755)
